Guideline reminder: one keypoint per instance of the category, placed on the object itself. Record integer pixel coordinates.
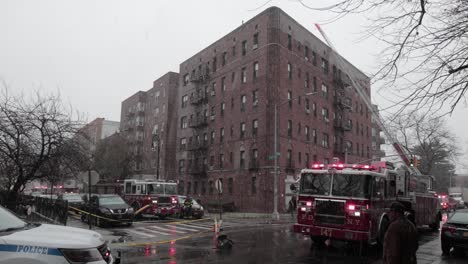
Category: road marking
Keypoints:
(170, 229)
(206, 227)
(140, 233)
(153, 231)
(187, 228)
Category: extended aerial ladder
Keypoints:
(402, 153)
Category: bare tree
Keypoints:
(36, 140)
(113, 159)
(431, 141)
(426, 47)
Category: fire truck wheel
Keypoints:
(382, 230)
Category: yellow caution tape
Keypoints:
(98, 216)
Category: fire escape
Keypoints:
(342, 107)
(198, 145)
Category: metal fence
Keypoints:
(37, 209)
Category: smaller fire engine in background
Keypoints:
(152, 198)
(351, 202)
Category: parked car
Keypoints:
(22, 242)
(458, 200)
(190, 207)
(107, 209)
(455, 232)
(75, 202)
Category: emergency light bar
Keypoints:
(340, 166)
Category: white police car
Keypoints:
(24, 243)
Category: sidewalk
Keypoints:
(258, 217)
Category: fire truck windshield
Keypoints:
(162, 188)
(347, 185)
(351, 185)
(315, 183)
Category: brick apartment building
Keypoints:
(149, 121)
(227, 96)
(220, 114)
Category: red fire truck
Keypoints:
(152, 198)
(351, 202)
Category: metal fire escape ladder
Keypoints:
(375, 115)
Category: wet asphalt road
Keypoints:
(262, 244)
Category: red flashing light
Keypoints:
(338, 166)
(318, 166)
(148, 197)
(351, 207)
(309, 204)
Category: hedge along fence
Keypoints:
(37, 209)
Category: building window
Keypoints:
(324, 90)
(223, 84)
(314, 109)
(290, 99)
(255, 98)
(242, 159)
(186, 79)
(221, 135)
(314, 58)
(307, 105)
(244, 75)
(183, 122)
(223, 106)
(242, 130)
(306, 82)
(212, 161)
(254, 127)
(221, 161)
(224, 58)
(182, 166)
(307, 158)
(243, 100)
(213, 114)
(324, 66)
(325, 140)
(325, 114)
(210, 187)
(314, 135)
(289, 42)
(203, 187)
(212, 137)
(244, 47)
(184, 101)
(307, 133)
(306, 53)
(195, 187)
(215, 64)
(233, 77)
(232, 131)
(314, 80)
(254, 185)
(234, 51)
(299, 129)
(183, 143)
(289, 159)
(231, 157)
(289, 128)
(255, 41)
(299, 157)
(230, 185)
(289, 71)
(255, 70)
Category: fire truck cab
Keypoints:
(151, 197)
(350, 202)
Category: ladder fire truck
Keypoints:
(152, 197)
(351, 202)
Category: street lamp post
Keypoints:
(276, 215)
(156, 139)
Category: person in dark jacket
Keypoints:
(401, 238)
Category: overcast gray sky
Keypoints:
(96, 53)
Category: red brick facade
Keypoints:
(269, 61)
(219, 119)
(150, 113)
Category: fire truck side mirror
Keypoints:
(292, 187)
